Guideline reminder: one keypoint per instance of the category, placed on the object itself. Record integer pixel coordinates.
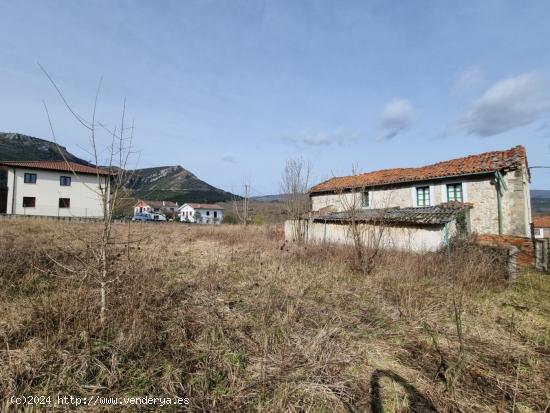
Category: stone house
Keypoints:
(489, 191)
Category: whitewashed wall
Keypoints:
(187, 213)
(85, 200)
(413, 239)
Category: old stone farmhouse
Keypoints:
(421, 206)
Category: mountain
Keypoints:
(19, 147)
(540, 201)
(169, 183)
(540, 193)
(270, 198)
(172, 183)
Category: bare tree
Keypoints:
(366, 226)
(111, 178)
(294, 187)
(241, 205)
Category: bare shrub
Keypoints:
(237, 320)
(294, 187)
(367, 235)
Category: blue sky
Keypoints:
(230, 89)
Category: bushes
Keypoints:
(229, 218)
(238, 320)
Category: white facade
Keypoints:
(402, 238)
(208, 215)
(79, 199)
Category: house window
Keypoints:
(65, 180)
(423, 196)
(207, 213)
(64, 202)
(215, 214)
(454, 192)
(30, 178)
(29, 201)
(365, 199)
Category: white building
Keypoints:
(167, 208)
(541, 226)
(201, 213)
(52, 188)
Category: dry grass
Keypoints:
(237, 320)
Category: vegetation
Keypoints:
(19, 147)
(236, 319)
(172, 183)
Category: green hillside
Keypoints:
(168, 183)
(173, 183)
(19, 147)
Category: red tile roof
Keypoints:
(156, 204)
(56, 166)
(510, 159)
(542, 222)
(204, 206)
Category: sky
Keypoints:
(232, 89)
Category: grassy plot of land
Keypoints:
(237, 320)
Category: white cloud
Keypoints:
(321, 138)
(397, 117)
(229, 159)
(508, 104)
(468, 79)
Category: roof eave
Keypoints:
(347, 188)
(102, 173)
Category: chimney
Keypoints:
(163, 203)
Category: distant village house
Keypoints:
(201, 213)
(541, 227)
(52, 188)
(167, 208)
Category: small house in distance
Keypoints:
(53, 188)
(201, 213)
(167, 208)
(541, 226)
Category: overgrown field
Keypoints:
(236, 320)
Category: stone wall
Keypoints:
(526, 256)
(478, 190)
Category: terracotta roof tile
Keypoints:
(203, 206)
(433, 215)
(56, 166)
(509, 159)
(157, 204)
(542, 222)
